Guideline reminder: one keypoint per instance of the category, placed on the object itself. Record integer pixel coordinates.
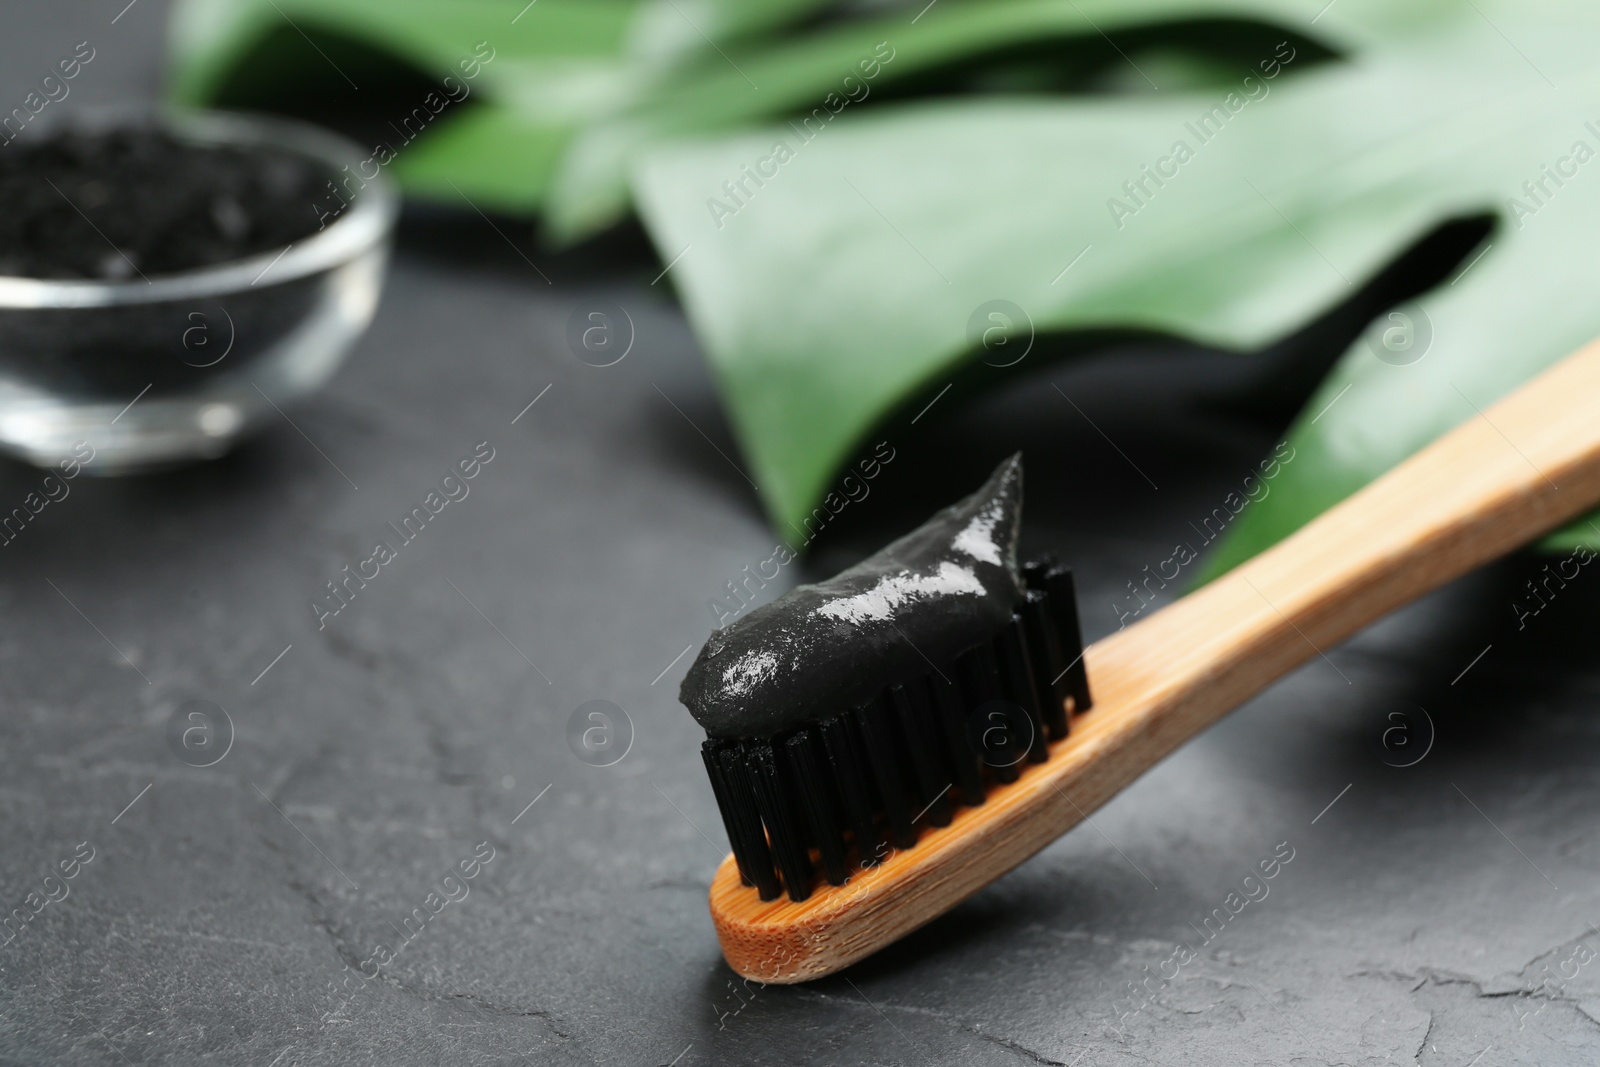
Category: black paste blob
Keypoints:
(819, 649)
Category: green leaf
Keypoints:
(836, 291)
(840, 289)
(552, 67)
(804, 76)
(209, 37)
(500, 158)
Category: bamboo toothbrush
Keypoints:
(1503, 477)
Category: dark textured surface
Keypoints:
(1420, 918)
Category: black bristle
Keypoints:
(1034, 570)
(883, 757)
(914, 708)
(804, 768)
(979, 676)
(959, 754)
(1063, 603)
(781, 814)
(744, 827)
(841, 741)
(719, 789)
(922, 747)
(1049, 664)
(992, 726)
(1016, 675)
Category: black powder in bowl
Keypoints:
(132, 202)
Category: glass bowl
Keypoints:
(144, 374)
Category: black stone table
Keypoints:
(226, 914)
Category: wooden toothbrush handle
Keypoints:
(1506, 475)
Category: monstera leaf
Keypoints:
(842, 287)
(557, 68)
(853, 195)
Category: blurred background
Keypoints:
(661, 274)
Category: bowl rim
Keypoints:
(368, 222)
